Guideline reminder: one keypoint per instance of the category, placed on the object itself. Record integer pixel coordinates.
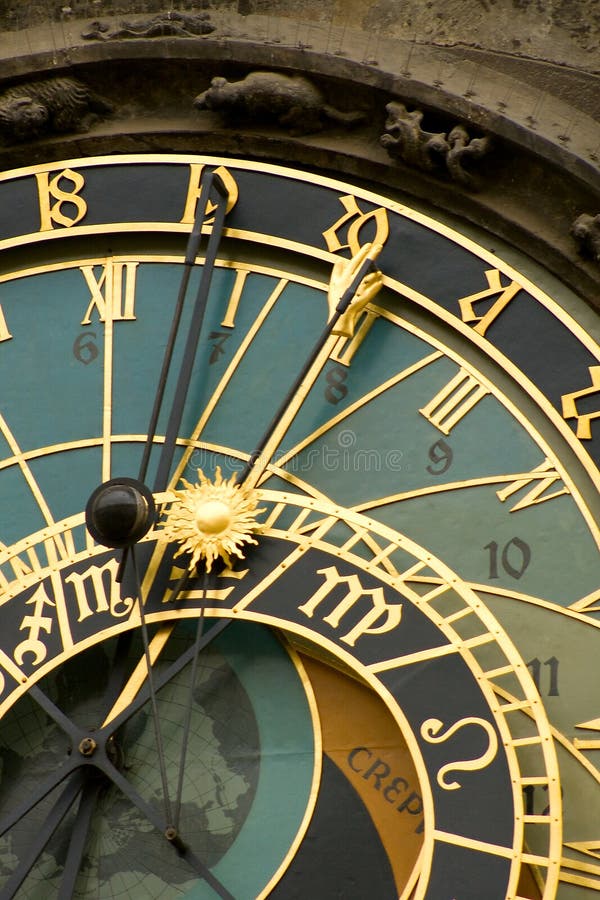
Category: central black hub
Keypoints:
(120, 512)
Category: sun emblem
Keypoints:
(212, 519)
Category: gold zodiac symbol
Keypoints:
(430, 731)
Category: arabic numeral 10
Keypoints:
(514, 558)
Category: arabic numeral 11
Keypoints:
(535, 667)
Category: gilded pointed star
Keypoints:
(211, 519)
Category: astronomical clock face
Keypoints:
(355, 653)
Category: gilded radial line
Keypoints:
(20, 460)
(578, 610)
(228, 375)
(283, 566)
(358, 404)
(270, 448)
(74, 445)
(410, 658)
(443, 488)
(108, 377)
(557, 735)
(359, 535)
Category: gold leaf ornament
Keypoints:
(211, 519)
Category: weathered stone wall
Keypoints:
(495, 103)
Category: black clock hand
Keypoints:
(208, 181)
(190, 701)
(155, 819)
(354, 282)
(193, 335)
(152, 692)
(43, 834)
(161, 679)
(42, 790)
(79, 835)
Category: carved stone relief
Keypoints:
(52, 106)
(169, 24)
(292, 102)
(586, 231)
(439, 152)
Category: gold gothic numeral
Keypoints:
(193, 194)
(114, 288)
(34, 625)
(356, 219)
(583, 874)
(219, 594)
(52, 189)
(57, 548)
(589, 603)
(345, 349)
(569, 405)
(454, 401)
(504, 293)
(106, 591)
(542, 478)
(391, 614)
(5, 334)
(585, 744)
(234, 299)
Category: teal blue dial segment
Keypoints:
(239, 808)
(394, 425)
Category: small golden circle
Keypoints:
(213, 516)
(211, 519)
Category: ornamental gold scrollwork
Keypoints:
(355, 219)
(431, 732)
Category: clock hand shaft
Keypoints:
(294, 391)
(140, 673)
(207, 181)
(79, 836)
(118, 669)
(162, 678)
(188, 711)
(56, 714)
(152, 691)
(42, 790)
(193, 335)
(159, 823)
(42, 835)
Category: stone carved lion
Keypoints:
(53, 106)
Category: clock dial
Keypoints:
(428, 530)
(233, 774)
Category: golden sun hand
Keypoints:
(211, 519)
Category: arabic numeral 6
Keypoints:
(85, 349)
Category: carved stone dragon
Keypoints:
(405, 139)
